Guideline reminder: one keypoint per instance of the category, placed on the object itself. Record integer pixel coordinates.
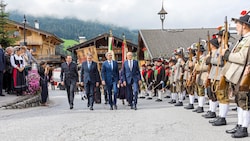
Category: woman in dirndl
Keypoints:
(18, 64)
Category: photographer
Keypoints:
(43, 71)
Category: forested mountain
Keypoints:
(71, 28)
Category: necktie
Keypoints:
(110, 63)
(89, 65)
(130, 66)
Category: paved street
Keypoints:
(152, 121)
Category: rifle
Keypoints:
(194, 72)
(190, 59)
(209, 65)
(222, 83)
(245, 79)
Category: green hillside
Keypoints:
(69, 43)
(72, 28)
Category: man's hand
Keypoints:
(62, 83)
(124, 83)
(103, 82)
(97, 84)
(139, 82)
(81, 83)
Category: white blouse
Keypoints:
(18, 58)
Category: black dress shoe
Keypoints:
(71, 107)
(167, 96)
(179, 104)
(234, 130)
(190, 106)
(221, 121)
(172, 101)
(111, 108)
(234, 109)
(210, 115)
(91, 108)
(158, 100)
(240, 133)
(135, 107)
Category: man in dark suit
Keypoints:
(69, 78)
(131, 77)
(110, 77)
(90, 77)
(2, 67)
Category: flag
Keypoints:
(111, 45)
(124, 50)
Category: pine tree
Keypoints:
(5, 39)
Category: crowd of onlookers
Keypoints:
(15, 63)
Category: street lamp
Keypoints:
(24, 30)
(162, 14)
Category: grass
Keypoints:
(69, 43)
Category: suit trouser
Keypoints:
(132, 93)
(109, 91)
(70, 92)
(1, 82)
(90, 93)
(7, 78)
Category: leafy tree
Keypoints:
(5, 39)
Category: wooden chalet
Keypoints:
(101, 44)
(41, 42)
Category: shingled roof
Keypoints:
(162, 43)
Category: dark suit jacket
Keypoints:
(128, 75)
(110, 75)
(2, 60)
(69, 73)
(91, 74)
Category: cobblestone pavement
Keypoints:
(151, 122)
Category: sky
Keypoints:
(137, 14)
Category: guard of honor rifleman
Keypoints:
(207, 69)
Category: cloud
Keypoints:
(136, 14)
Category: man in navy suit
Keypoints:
(131, 78)
(69, 78)
(90, 77)
(2, 67)
(110, 77)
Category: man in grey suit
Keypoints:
(69, 78)
(90, 78)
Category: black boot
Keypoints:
(213, 120)
(200, 110)
(179, 104)
(240, 133)
(190, 106)
(172, 101)
(208, 112)
(210, 115)
(221, 121)
(232, 131)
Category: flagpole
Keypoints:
(111, 44)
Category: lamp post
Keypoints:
(24, 30)
(162, 14)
